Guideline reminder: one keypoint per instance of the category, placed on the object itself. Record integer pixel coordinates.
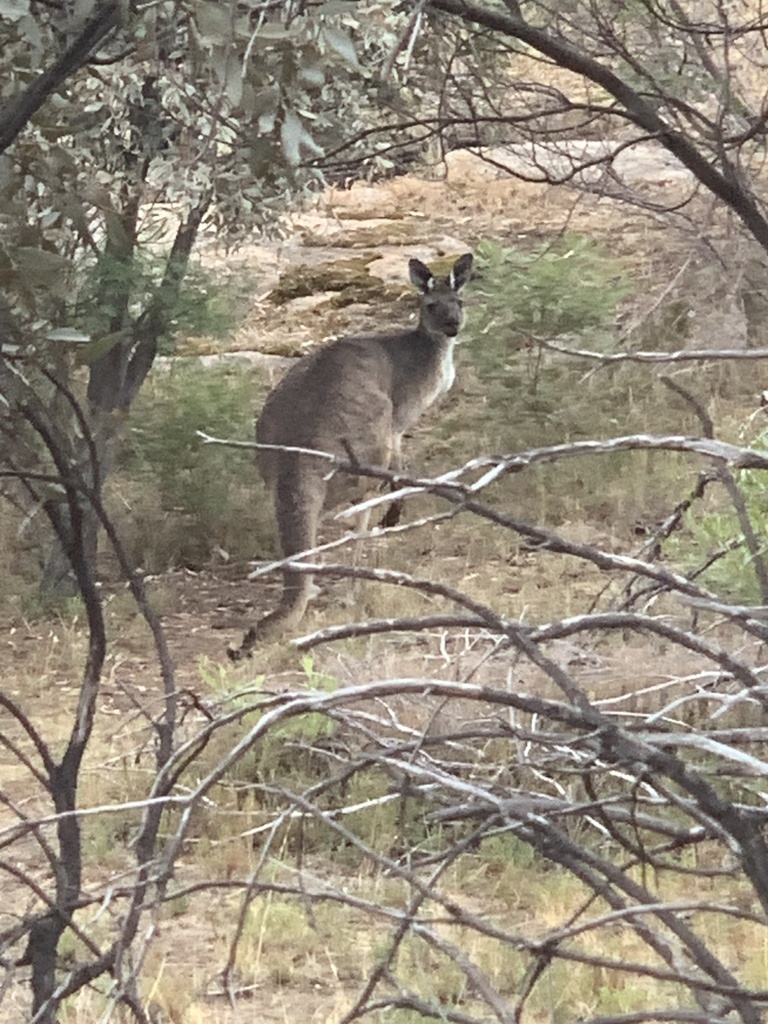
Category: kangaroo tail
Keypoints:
(299, 497)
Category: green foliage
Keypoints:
(217, 678)
(507, 849)
(714, 538)
(315, 680)
(567, 286)
(176, 906)
(716, 535)
(211, 303)
(528, 396)
(208, 302)
(432, 974)
(188, 500)
(284, 755)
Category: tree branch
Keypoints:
(18, 111)
(724, 184)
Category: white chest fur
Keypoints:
(447, 373)
(412, 401)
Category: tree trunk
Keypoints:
(93, 462)
(115, 380)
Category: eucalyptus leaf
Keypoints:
(275, 32)
(41, 268)
(266, 123)
(312, 74)
(213, 21)
(293, 135)
(98, 347)
(234, 82)
(290, 137)
(14, 10)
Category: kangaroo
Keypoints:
(357, 396)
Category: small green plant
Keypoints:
(176, 906)
(217, 678)
(188, 501)
(567, 286)
(431, 974)
(507, 850)
(315, 680)
(210, 303)
(713, 540)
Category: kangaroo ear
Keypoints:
(421, 276)
(462, 271)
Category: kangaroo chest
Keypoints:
(447, 373)
(422, 385)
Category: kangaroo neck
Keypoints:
(433, 334)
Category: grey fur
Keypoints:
(358, 395)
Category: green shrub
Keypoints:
(187, 501)
(567, 286)
(713, 538)
(527, 396)
(531, 396)
(209, 302)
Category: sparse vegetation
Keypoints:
(712, 544)
(325, 797)
(179, 501)
(553, 815)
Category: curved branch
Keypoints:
(16, 114)
(724, 184)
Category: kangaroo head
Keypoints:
(441, 306)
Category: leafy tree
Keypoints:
(568, 88)
(149, 123)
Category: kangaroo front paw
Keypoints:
(245, 649)
(392, 516)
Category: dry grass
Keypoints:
(290, 957)
(296, 959)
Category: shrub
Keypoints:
(712, 545)
(189, 501)
(527, 396)
(567, 286)
(209, 302)
(532, 396)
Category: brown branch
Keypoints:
(724, 184)
(18, 111)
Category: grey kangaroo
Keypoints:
(354, 397)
